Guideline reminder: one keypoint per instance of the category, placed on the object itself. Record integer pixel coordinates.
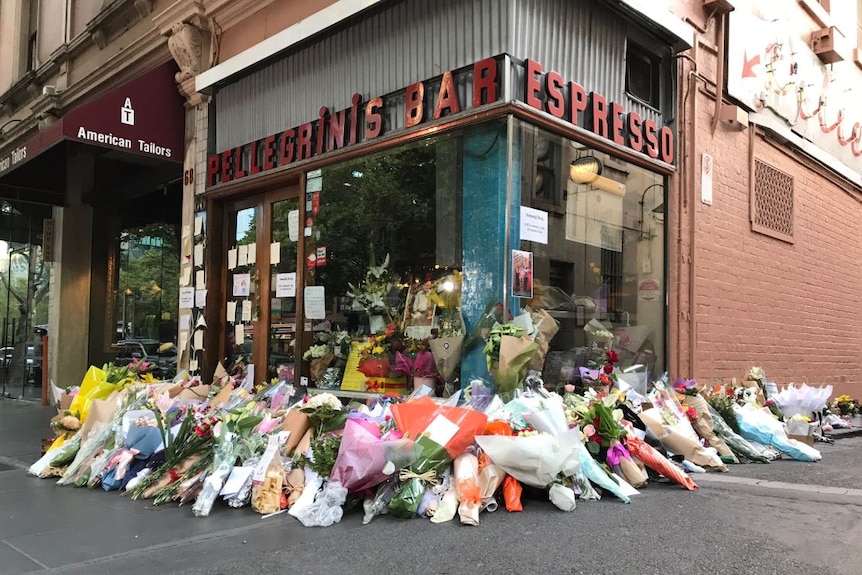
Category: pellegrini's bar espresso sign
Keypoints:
(363, 121)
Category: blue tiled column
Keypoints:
(484, 230)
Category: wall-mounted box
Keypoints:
(827, 44)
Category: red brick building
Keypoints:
(764, 261)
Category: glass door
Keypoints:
(282, 244)
(241, 285)
(261, 298)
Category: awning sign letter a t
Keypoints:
(127, 113)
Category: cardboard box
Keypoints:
(806, 439)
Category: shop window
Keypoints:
(602, 268)
(148, 295)
(399, 209)
(643, 75)
(772, 202)
(384, 248)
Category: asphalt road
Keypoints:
(786, 517)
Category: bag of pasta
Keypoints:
(268, 480)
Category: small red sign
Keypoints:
(315, 203)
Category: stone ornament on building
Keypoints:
(186, 46)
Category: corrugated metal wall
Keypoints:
(583, 40)
(408, 41)
(411, 40)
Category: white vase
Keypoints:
(376, 323)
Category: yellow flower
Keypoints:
(377, 350)
(148, 378)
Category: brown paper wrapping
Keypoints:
(220, 373)
(490, 479)
(222, 396)
(447, 355)
(547, 329)
(704, 425)
(318, 365)
(65, 401)
(510, 348)
(305, 441)
(294, 484)
(199, 392)
(101, 411)
(633, 473)
(165, 479)
(298, 424)
(680, 443)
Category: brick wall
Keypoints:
(791, 308)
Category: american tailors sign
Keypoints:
(773, 71)
(427, 101)
(145, 116)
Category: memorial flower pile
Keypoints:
(411, 456)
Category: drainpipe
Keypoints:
(719, 74)
(692, 207)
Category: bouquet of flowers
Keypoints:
(441, 433)
(325, 412)
(701, 418)
(419, 366)
(372, 294)
(601, 373)
(739, 445)
(759, 425)
(66, 423)
(668, 421)
(508, 353)
(375, 354)
(845, 405)
(721, 399)
(187, 450)
(235, 426)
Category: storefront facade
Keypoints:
(107, 174)
(519, 152)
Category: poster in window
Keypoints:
(419, 313)
(522, 274)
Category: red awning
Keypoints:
(145, 116)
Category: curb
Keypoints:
(844, 433)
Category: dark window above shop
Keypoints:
(643, 75)
(648, 71)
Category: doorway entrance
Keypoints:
(261, 279)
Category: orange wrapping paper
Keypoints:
(658, 462)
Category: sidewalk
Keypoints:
(23, 424)
(44, 527)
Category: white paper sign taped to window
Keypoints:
(315, 302)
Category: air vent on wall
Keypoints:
(826, 43)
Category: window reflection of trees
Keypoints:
(374, 206)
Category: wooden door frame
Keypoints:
(263, 255)
(219, 212)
